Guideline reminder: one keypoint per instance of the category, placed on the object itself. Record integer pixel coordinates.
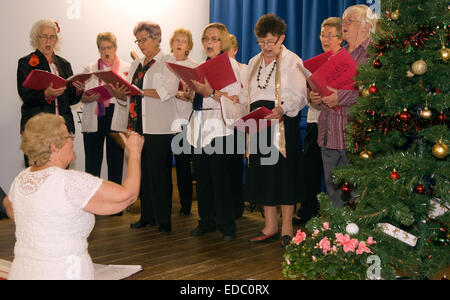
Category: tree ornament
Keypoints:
(420, 189)
(419, 67)
(366, 155)
(377, 64)
(365, 93)
(352, 229)
(442, 117)
(394, 175)
(409, 74)
(373, 89)
(426, 113)
(445, 54)
(346, 188)
(395, 15)
(405, 115)
(440, 150)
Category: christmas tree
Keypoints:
(397, 138)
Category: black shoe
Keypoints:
(140, 224)
(165, 228)
(200, 230)
(118, 214)
(286, 240)
(261, 237)
(229, 237)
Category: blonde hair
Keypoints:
(335, 22)
(224, 35)
(234, 42)
(36, 29)
(188, 34)
(108, 37)
(41, 132)
(363, 14)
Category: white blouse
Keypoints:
(52, 226)
(120, 117)
(293, 83)
(158, 114)
(212, 122)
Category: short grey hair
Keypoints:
(153, 29)
(35, 30)
(364, 14)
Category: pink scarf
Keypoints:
(100, 110)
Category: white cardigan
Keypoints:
(120, 117)
(158, 114)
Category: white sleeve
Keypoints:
(297, 86)
(80, 187)
(169, 88)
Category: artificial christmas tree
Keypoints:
(402, 189)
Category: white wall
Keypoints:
(80, 22)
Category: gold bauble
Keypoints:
(445, 54)
(419, 67)
(426, 113)
(395, 15)
(440, 150)
(366, 155)
(365, 93)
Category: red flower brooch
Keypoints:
(34, 60)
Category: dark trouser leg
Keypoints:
(184, 181)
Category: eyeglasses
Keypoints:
(213, 40)
(106, 48)
(143, 40)
(181, 41)
(327, 36)
(268, 43)
(70, 136)
(48, 37)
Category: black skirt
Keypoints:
(279, 183)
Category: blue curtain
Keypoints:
(303, 18)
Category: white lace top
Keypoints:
(51, 226)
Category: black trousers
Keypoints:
(215, 191)
(313, 173)
(184, 181)
(93, 149)
(156, 182)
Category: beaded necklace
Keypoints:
(268, 77)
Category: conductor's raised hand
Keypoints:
(133, 141)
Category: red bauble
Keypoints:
(373, 89)
(405, 115)
(421, 189)
(442, 117)
(346, 188)
(377, 64)
(395, 175)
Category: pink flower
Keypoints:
(316, 232)
(299, 237)
(314, 258)
(325, 245)
(348, 243)
(362, 249)
(370, 241)
(288, 262)
(326, 226)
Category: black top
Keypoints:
(34, 102)
(2, 208)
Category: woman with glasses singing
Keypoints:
(45, 39)
(152, 115)
(211, 135)
(331, 40)
(358, 22)
(276, 83)
(54, 208)
(100, 119)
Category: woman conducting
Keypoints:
(53, 208)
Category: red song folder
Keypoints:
(105, 92)
(113, 78)
(218, 71)
(40, 80)
(316, 62)
(338, 72)
(254, 121)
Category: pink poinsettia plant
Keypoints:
(327, 255)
